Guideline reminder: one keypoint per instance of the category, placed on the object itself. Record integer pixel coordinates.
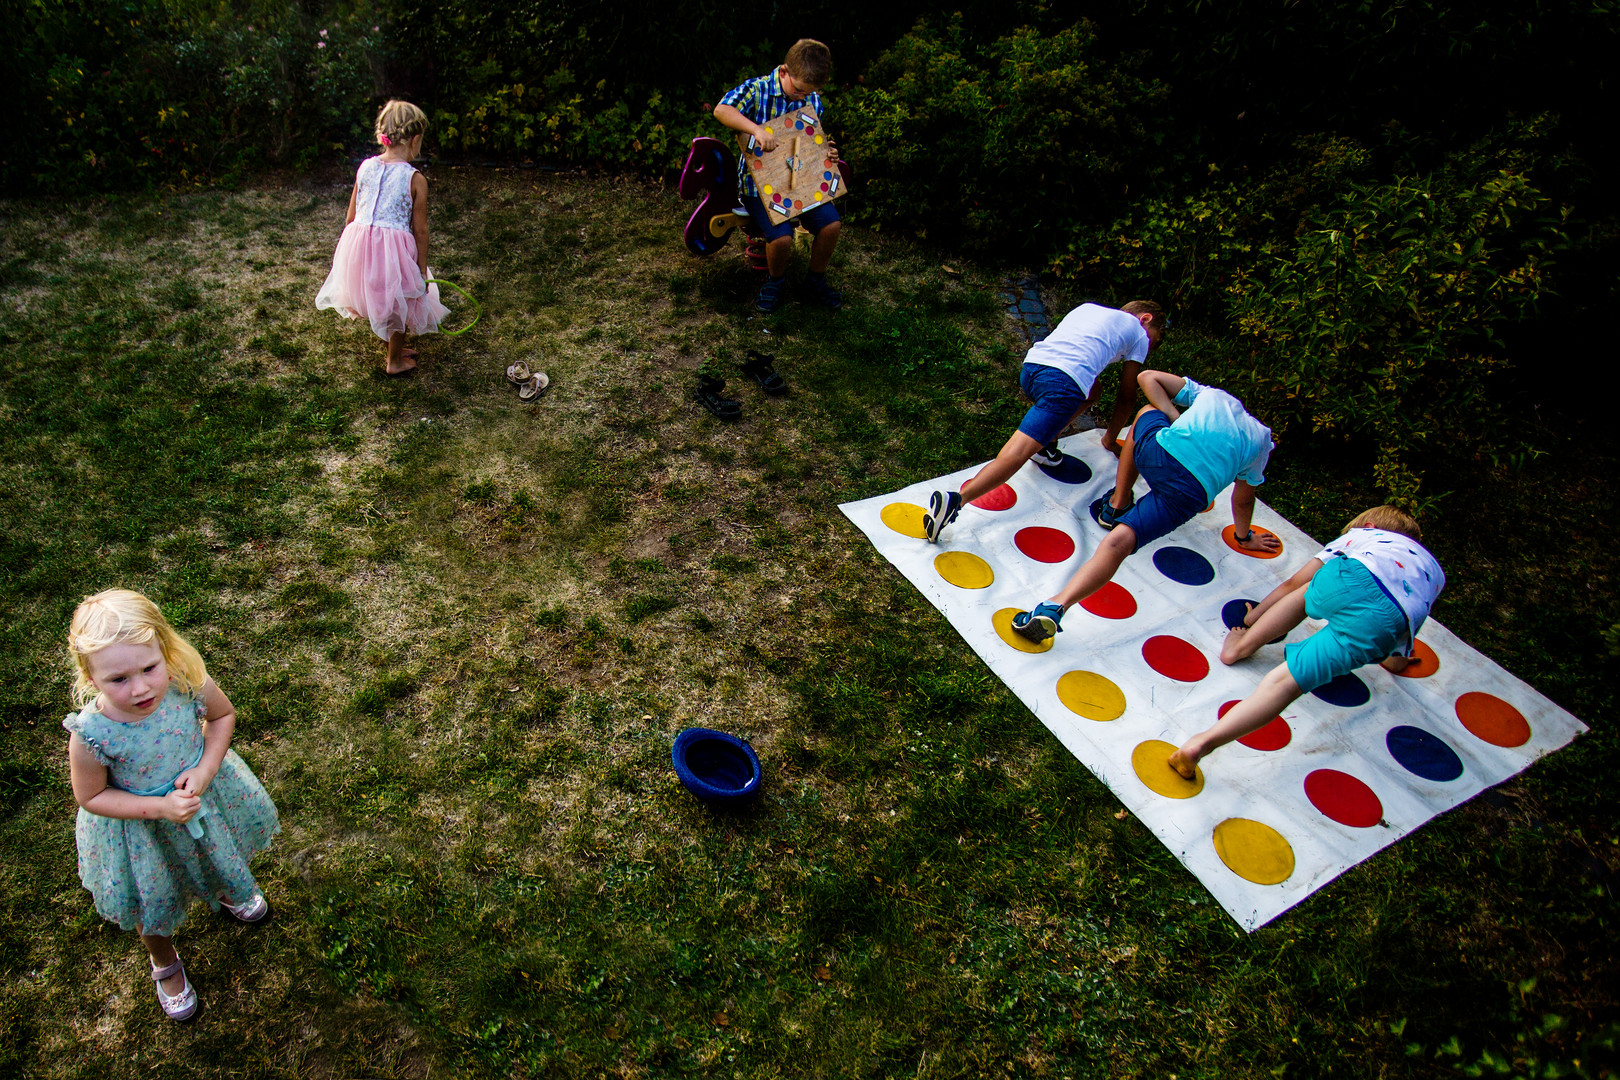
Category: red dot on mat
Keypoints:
(1043, 544)
(1274, 736)
(1112, 601)
(1174, 658)
(1003, 498)
(1344, 798)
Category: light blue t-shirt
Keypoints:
(1216, 440)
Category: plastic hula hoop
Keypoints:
(478, 309)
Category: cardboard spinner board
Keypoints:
(801, 173)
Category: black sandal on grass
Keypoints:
(708, 392)
(762, 369)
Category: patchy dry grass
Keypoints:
(462, 633)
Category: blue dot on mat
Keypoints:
(1184, 565)
(1346, 691)
(1232, 613)
(1071, 471)
(1423, 754)
(827, 175)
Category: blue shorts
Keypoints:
(1056, 396)
(1174, 495)
(1364, 625)
(772, 227)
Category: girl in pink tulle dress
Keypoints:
(380, 271)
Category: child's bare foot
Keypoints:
(1232, 646)
(1184, 763)
(394, 369)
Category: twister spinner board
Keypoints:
(801, 172)
(1342, 773)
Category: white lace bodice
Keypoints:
(383, 194)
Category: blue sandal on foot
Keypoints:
(1042, 623)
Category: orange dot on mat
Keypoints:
(1253, 851)
(1426, 664)
(905, 519)
(1003, 498)
(1043, 544)
(1112, 601)
(1274, 736)
(1229, 534)
(1488, 717)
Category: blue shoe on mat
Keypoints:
(1104, 514)
(943, 506)
(1042, 623)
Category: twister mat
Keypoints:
(1342, 773)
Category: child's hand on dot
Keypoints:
(1261, 541)
(766, 137)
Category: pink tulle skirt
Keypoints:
(374, 277)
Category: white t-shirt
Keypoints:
(1216, 440)
(1404, 567)
(1089, 339)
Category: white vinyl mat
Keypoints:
(1342, 773)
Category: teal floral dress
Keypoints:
(143, 874)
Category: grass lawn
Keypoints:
(462, 632)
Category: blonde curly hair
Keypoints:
(118, 616)
(400, 121)
(1390, 520)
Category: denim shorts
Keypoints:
(1364, 625)
(1056, 396)
(1174, 497)
(772, 227)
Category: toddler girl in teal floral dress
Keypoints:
(167, 811)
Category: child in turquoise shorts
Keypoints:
(1187, 457)
(1374, 585)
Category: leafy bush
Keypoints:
(118, 92)
(999, 145)
(1369, 308)
(1383, 317)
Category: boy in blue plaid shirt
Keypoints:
(746, 108)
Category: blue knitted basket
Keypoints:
(718, 768)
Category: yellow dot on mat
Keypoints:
(905, 519)
(1254, 852)
(819, 140)
(767, 189)
(1151, 760)
(1002, 621)
(818, 196)
(1088, 694)
(964, 569)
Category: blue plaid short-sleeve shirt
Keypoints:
(760, 100)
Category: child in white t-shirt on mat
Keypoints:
(1374, 585)
(1060, 375)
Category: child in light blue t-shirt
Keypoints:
(1374, 585)
(1187, 457)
